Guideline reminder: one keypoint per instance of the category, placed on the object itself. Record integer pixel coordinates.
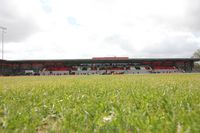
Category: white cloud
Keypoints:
(52, 29)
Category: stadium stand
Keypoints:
(96, 65)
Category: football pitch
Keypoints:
(101, 103)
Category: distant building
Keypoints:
(97, 65)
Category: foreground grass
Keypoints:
(118, 103)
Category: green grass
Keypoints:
(114, 103)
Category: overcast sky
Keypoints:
(64, 29)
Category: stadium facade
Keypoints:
(97, 65)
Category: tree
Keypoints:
(197, 64)
(196, 54)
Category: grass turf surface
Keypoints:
(112, 103)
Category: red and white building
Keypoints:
(97, 65)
